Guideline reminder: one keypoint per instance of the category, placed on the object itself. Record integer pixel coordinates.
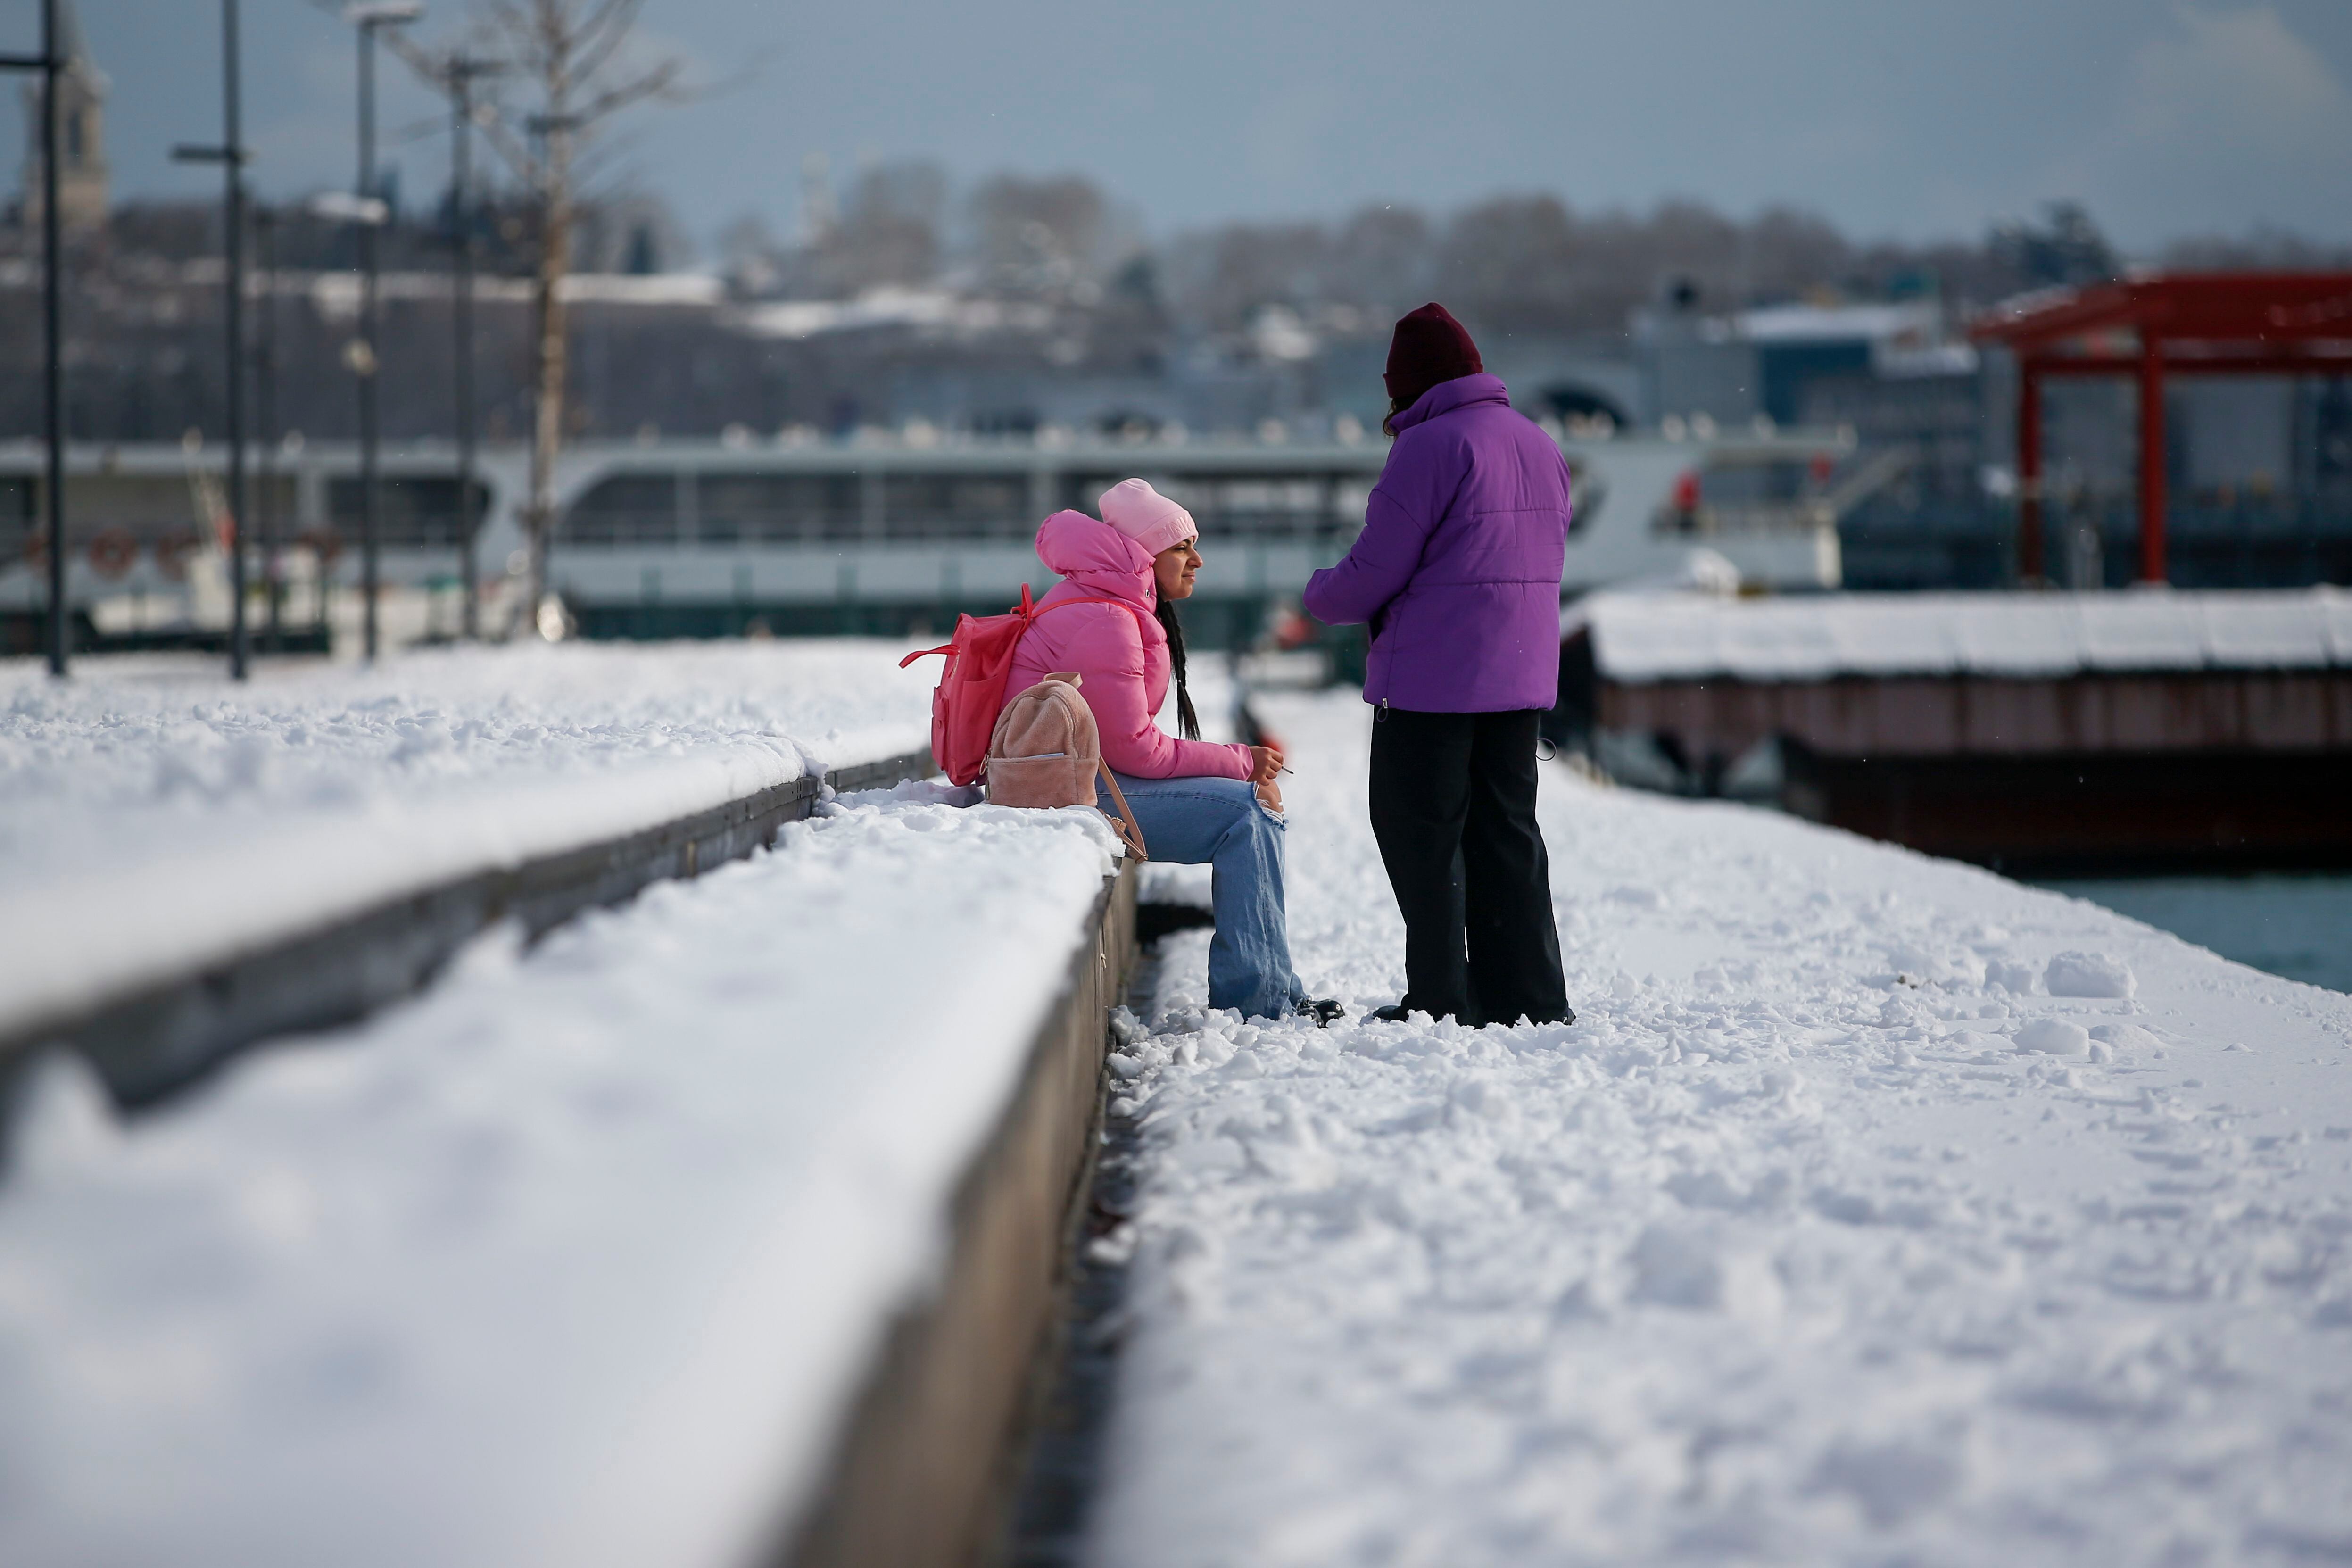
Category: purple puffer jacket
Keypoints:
(1458, 566)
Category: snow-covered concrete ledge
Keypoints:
(714, 1229)
(922, 1472)
(193, 866)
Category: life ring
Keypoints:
(172, 552)
(324, 544)
(113, 551)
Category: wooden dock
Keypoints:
(2041, 732)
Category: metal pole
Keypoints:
(53, 326)
(2028, 474)
(461, 182)
(2151, 456)
(265, 396)
(369, 363)
(233, 146)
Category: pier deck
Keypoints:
(2037, 733)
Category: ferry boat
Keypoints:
(869, 535)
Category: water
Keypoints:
(2297, 926)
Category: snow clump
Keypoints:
(2055, 1038)
(2089, 974)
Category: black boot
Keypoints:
(1399, 1013)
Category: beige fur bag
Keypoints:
(1045, 750)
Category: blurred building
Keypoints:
(82, 173)
(1036, 310)
(2259, 468)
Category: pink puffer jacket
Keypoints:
(1122, 655)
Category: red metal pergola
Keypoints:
(2214, 323)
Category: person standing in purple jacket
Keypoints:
(1457, 571)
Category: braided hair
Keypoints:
(1186, 721)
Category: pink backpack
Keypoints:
(971, 692)
(1046, 751)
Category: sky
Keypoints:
(1914, 120)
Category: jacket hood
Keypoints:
(1448, 395)
(1096, 557)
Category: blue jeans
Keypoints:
(1220, 822)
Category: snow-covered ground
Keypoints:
(154, 816)
(1827, 1235)
(1876, 1210)
(573, 1261)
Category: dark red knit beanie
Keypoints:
(1430, 346)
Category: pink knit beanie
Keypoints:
(1144, 515)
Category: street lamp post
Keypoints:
(232, 155)
(464, 70)
(53, 379)
(264, 397)
(552, 136)
(366, 361)
(368, 214)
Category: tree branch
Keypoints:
(605, 29)
(655, 82)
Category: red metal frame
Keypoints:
(2220, 324)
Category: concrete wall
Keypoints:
(926, 1460)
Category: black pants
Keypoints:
(1453, 807)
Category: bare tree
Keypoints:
(1039, 236)
(575, 69)
(574, 54)
(888, 232)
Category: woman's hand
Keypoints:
(1265, 762)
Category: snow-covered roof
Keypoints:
(888, 307)
(1679, 637)
(1815, 323)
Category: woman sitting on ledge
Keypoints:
(1196, 802)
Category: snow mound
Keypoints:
(2055, 1038)
(2089, 974)
(1702, 1270)
(2126, 1037)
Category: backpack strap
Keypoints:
(1029, 614)
(1130, 833)
(1066, 604)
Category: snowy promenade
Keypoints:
(1828, 1234)
(154, 818)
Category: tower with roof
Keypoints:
(82, 173)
